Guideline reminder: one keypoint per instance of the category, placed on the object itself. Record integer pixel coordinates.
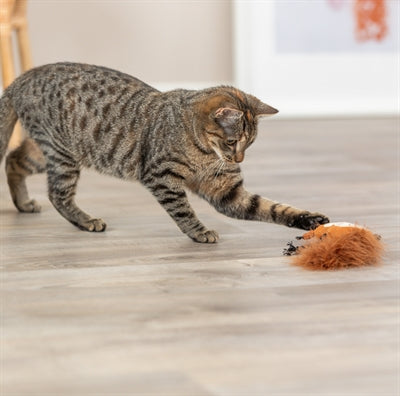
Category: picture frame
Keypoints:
(310, 84)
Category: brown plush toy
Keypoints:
(337, 246)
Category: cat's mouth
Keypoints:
(236, 159)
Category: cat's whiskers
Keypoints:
(213, 170)
(220, 167)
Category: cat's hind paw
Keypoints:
(205, 237)
(30, 206)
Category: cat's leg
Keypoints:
(175, 202)
(241, 204)
(24, 161)
(63, 175)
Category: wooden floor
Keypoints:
(142, 310)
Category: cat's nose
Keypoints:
(239, 157)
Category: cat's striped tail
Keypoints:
(8, 118)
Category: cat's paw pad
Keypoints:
(29, 207)
(308, 221)
(93, 225)
(205, 237)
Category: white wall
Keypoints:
(317, 84)
(164, 42)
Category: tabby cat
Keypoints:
(78, 115)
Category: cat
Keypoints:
(79, 115)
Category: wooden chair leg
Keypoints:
(24, 48)
(13, 16)
(8, 73)
(25, 58)
(21, 25)
(17, 137)
(7, 64)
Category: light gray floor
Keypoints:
(140, 309)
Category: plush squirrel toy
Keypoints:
(336, 246)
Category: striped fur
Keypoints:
(81, 116)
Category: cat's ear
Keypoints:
(227, 117)
(265, 110)
(262, 109)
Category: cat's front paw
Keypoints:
(93, 225)
(308, 221)
(205, 236)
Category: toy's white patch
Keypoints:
(342, 224)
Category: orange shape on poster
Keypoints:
(370, 18)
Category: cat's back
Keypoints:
(61, 81)
(76, 98)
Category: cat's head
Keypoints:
(229, 119)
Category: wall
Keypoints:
(160, 42)
(321, 83)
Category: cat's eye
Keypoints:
(231, 142)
